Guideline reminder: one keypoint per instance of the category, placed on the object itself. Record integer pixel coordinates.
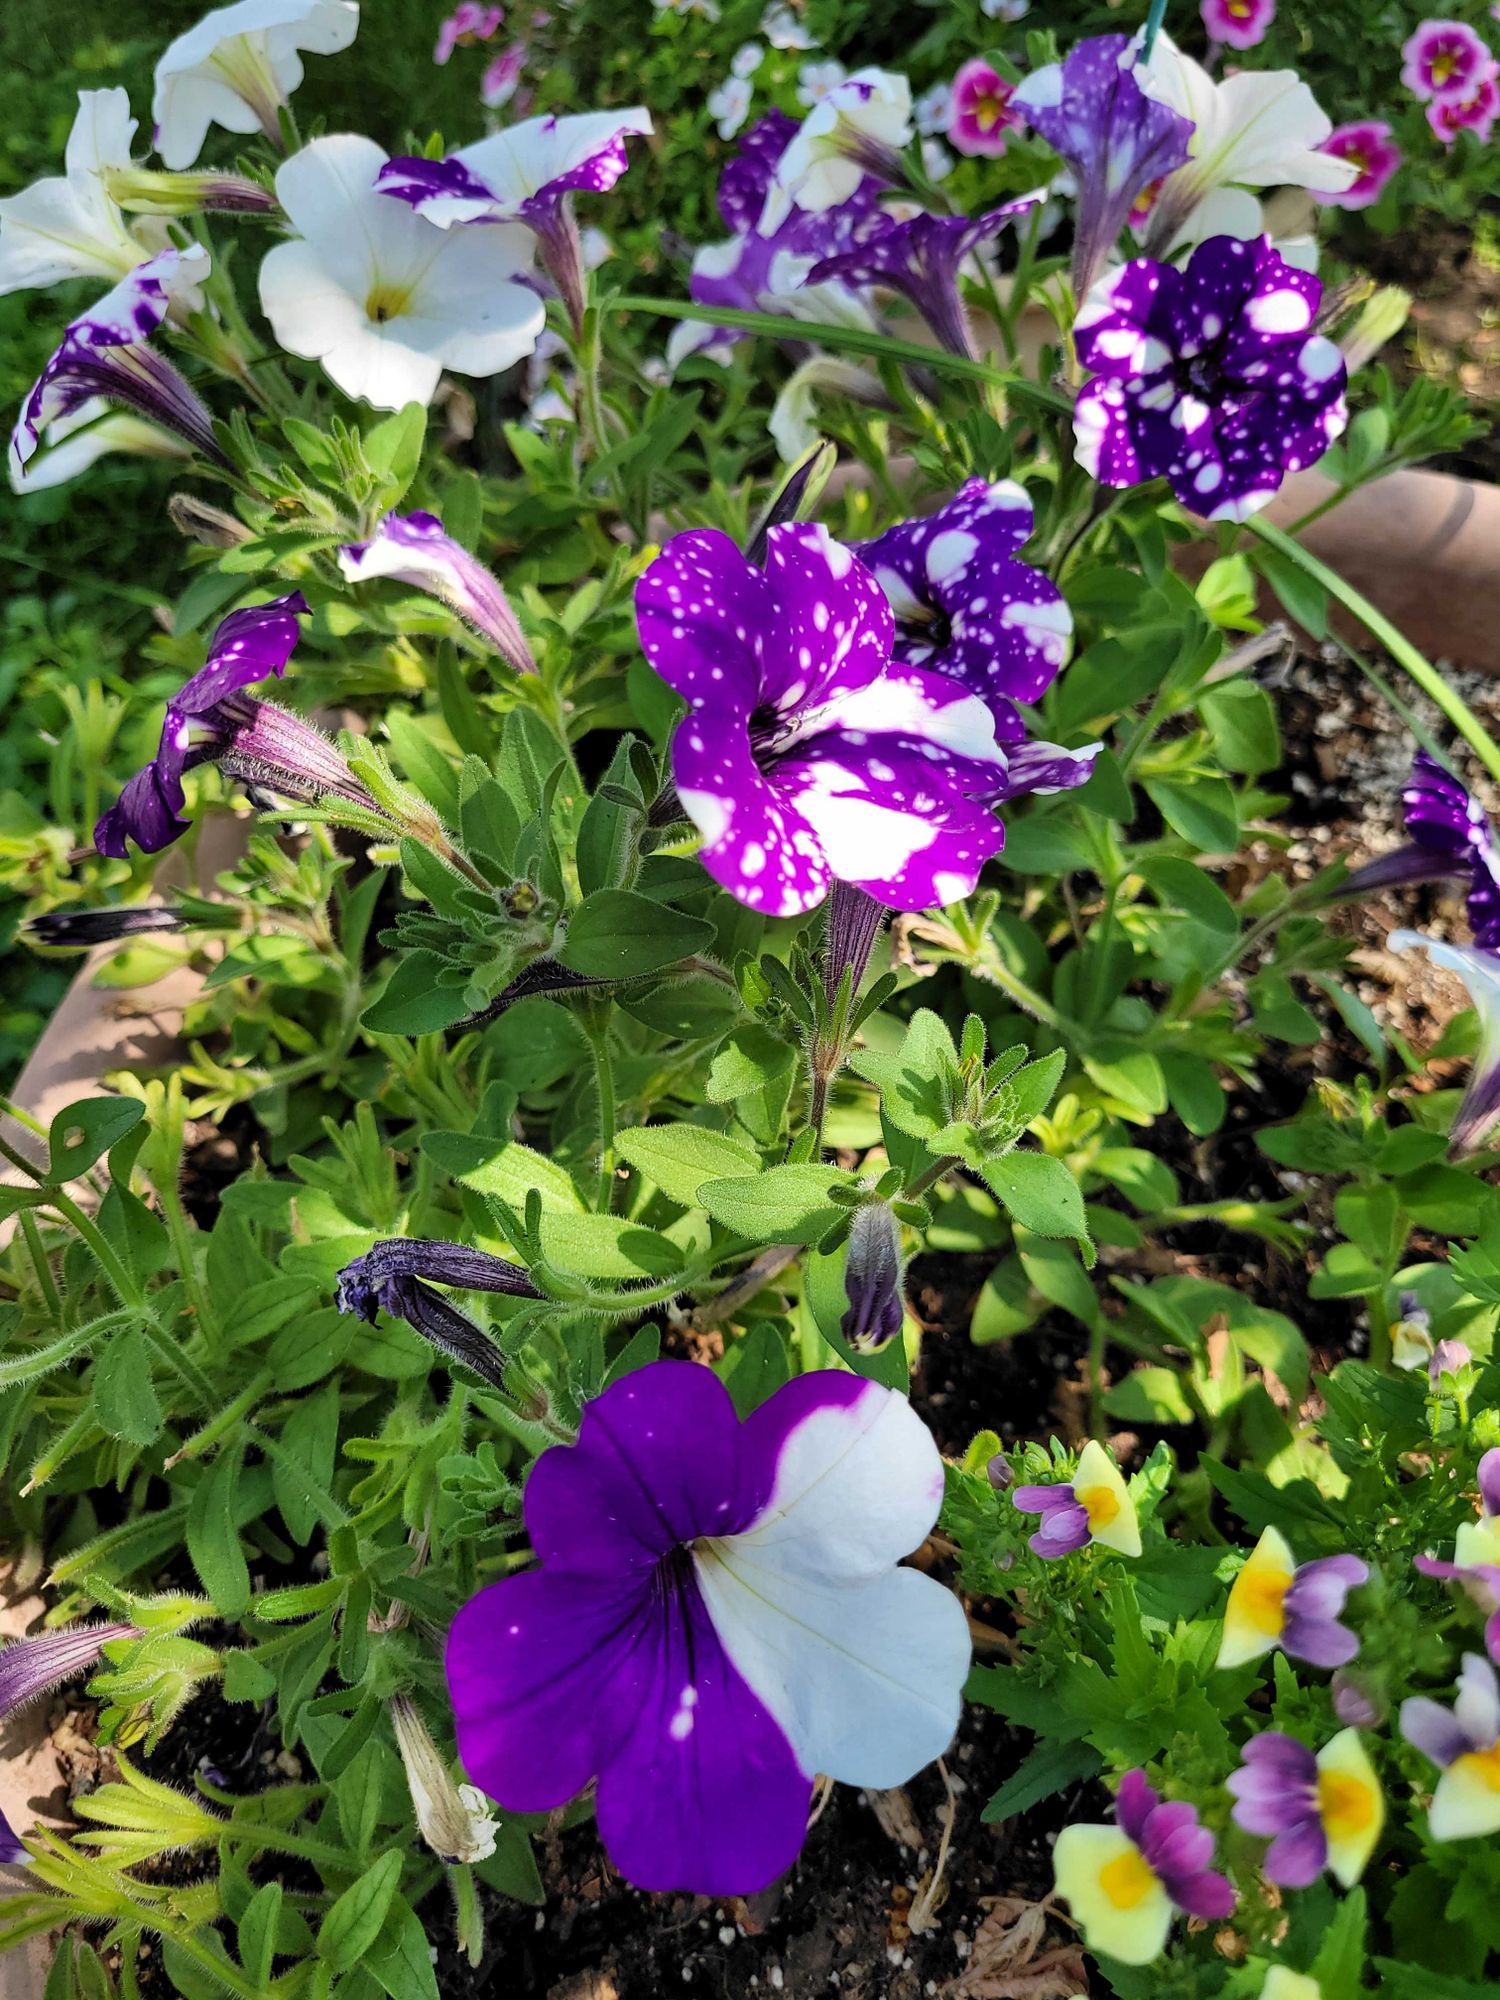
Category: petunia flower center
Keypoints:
(1346, 1805)
(1127, 1880)
(386, 300)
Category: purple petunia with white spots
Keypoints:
(807, 754)
(718, 1615)
(1210, 376)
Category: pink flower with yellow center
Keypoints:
(1445, 59)
(1368, 144)
(981, 115)
(1239, 24)
(1476, 112)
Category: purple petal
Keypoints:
(1134, 1802)
(1208, 1895)
(1299, 1855)
(701, 608)
(1432, 1729)
(1045, 767)
(1174, 1842)
(746, 180)
(1062, 1533)
(1043, 1499)
(832, 631)
(1489, 1480)
(12, 1853)
(32, 1667)
(417, 550)
(1319, 1588)
(247, 646)
(1323, 1642)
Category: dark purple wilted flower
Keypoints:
(922, 258)
(396, 1276)
(806, 755)
(80, 930)
(1125, 1881)
(1464, 1742)
(1325, 1811)
(1275, 1601)
(717, 1615)
(212, 721)
(872, 1278)
(1210, 376)
(416, 549)
(527, 174)
(106, 352)
(1117, 140)
(1093, 1506)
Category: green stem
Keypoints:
(122, 1280)
(1400, 648)
(596, 1026)
(225, 1421)
(930, 1176)
(182, 1245)
(1028, 999)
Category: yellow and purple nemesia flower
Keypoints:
(1325, 1811)
(526, 177)
(1093, 112)
(807, 754)
(107, 354)
(1275, 1601)
(1237, 24)
(416, 549)
(1211, 377)
(718, 1616)
(467, 24)
(1476, 1551)
(1464, 1742)
(1368, 145)
(238, 66)
(1093, 1506)
(1445, 59)
(1124, 1882)
(980, 115)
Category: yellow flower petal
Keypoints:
(1123, 1908)
(1102, 1494)
(1254, 1617)
(1284, 1984)
(1467, 1799)
(1350, 1804)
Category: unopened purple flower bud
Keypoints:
(999, 1472)
(872, 1278)
(390, 1275)
(1449, 1358)
(1355, 1702)
(147, 193)
(416, 549)
(80, 930)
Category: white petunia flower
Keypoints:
(382, 298)
(67, 226)
(238, 66)
(858, 128)
(1255, 129)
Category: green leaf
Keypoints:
(124, 1397)
(680, 1157)
(1040, 1193)
(84, 1132)
(606, 1246)
(256, 1932)
(353, 1924)
(1050, 1768)
(749, 1059)
(393, 449)
(213, 1535)
(400, 1959)
(620, 934)
(1183, 885)
(916, 1083)
(1201, 810)
(1339, 1967)
(503, 1167)
(756, 1367)
(245, 1679)
(412, 1003)
(1296, 591)
(1149, 1396)
(781, 1205)
(1242, 722)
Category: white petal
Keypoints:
(58, 229)
(518, 162)
(1467, 1799)
(1100, 1871)
(102, 132)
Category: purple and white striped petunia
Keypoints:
(806, 754)
(718, 1616)
(33, 1667)
(1125, 1881)
(1210, 376)
(1325, 1811)
(1275, 1601)
(417, 549)
(106, 353)
(1237, 24)
(1093, 1506)
(980, 115)
(1368, 145)
(1093, 113)
(1449, 836)
(1464, 1742)
(922, 258)
(526, 174)
(212, 721)
(964, 604)
(1445, 59)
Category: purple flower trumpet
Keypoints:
(1449, 835)
(33, 1667)
(211, 721)
(81, 930)
(1325, 1811)
(416, 549)
(396, 1276)
(922, 259)
(106, 352)
(1117, 140)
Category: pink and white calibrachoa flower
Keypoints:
(1238, 24)
(1124, 1883)
(1476, 113)
(382, 298)
(856, 130)
(67, 226)
(1464, 1742)
(1368, 144)
(981, 116)
(1445, 59)
(718, 1616)
(239, 66)
(467, 24)
(1254, 129)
